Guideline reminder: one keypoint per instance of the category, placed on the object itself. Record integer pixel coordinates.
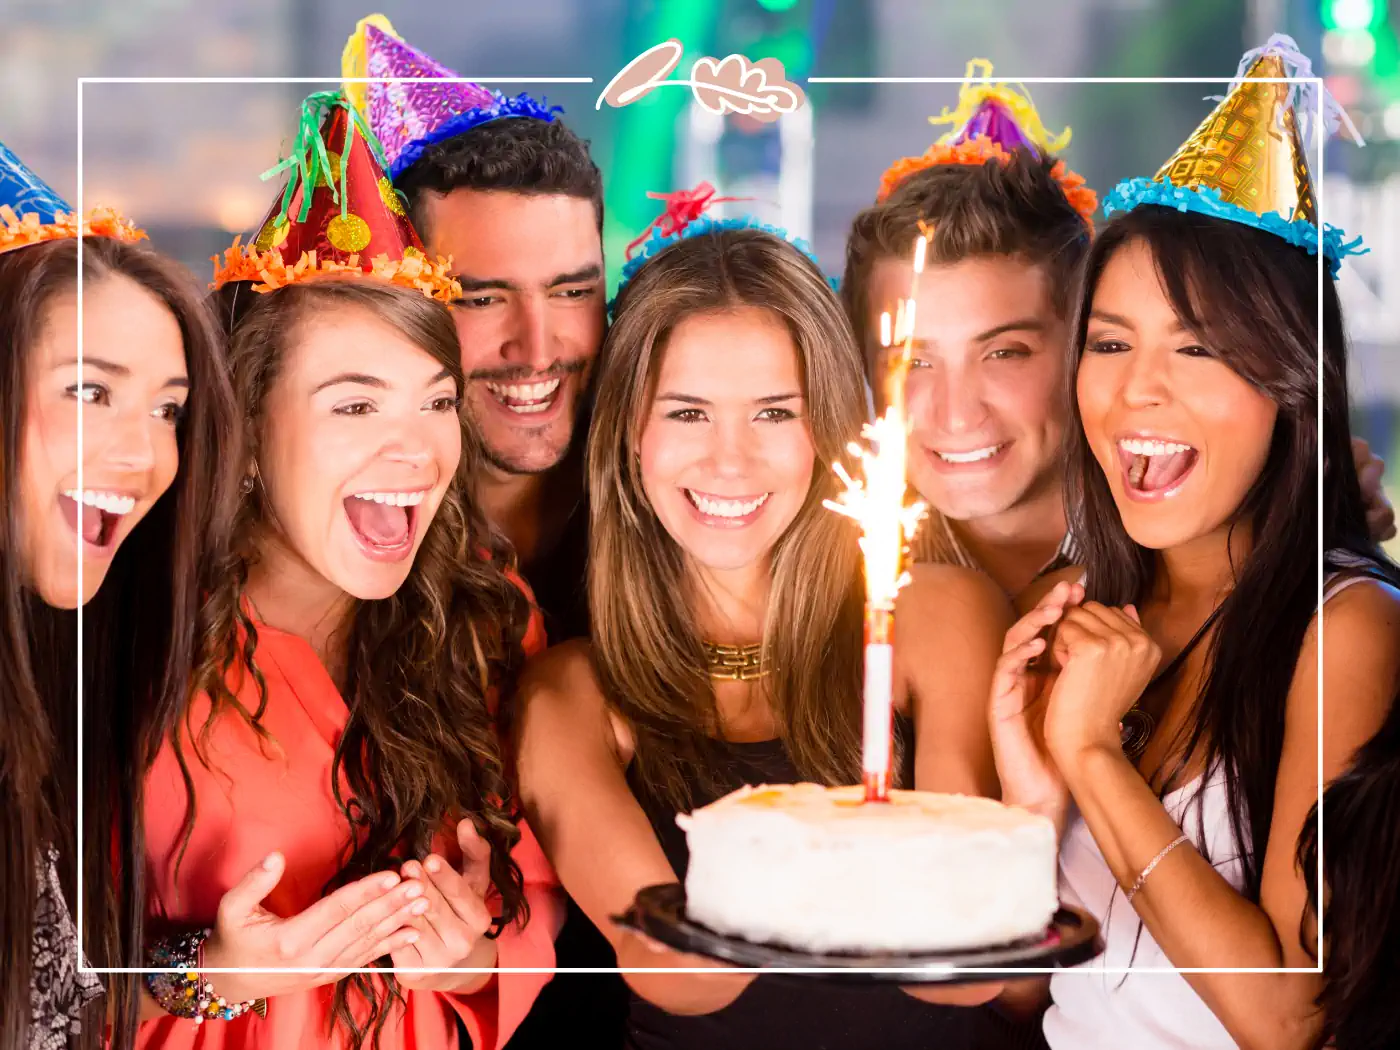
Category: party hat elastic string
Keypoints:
(1247, 160)
(1302, 98)
(977, 89)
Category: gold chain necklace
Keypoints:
(734, 663)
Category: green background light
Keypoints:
(1349, 14)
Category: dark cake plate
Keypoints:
(1071, 938)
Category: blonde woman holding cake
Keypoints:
(1176, 742)
(727, 606)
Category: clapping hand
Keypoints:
(345, 930)
(1027, 773)
(1106, 662)
(454, 919)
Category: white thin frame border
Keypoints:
(1319, 143)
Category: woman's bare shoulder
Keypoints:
(562, 667)
(562, 683)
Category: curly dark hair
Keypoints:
(425, 665)
(515, 155)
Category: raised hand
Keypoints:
(1027, 773)
(451, 928)
(345, 930)
(1106, 662)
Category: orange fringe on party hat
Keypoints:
(973, 151)
(19, 231)
(270, 270)
(980, 151)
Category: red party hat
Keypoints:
(338, 214)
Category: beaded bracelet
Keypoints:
(1155, 861)
(186, 994)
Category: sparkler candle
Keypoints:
(876, 502)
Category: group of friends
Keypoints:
(422, 587)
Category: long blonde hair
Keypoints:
(646, 643)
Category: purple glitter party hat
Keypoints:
(993, 120)
(407, 118)
(1000, 112)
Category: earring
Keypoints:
(246, 485)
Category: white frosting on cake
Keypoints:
(814, 868)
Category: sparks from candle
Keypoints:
(876, 501)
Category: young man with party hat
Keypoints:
(1009, 226)
(505, 188)
(501, 185)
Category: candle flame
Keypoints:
(876, 502)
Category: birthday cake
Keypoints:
(813, 868)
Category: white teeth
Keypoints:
(393, 499)
(528, 397)
(970, 457)
(105, 501)
(726, 508)
(1145, 447)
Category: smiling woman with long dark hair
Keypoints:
(1181, 717)
(155, 402)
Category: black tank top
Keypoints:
(783, 1011)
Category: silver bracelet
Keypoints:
(1155, 861)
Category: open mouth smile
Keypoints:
(96, 515)
(384, 522)
(1154, 468)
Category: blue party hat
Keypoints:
(31, 212)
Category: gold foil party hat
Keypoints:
(1249, 149)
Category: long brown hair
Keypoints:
(139, 644)
(646, 645)
(449, 638)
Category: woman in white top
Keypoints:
(1175, 738)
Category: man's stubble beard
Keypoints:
(508, 465)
